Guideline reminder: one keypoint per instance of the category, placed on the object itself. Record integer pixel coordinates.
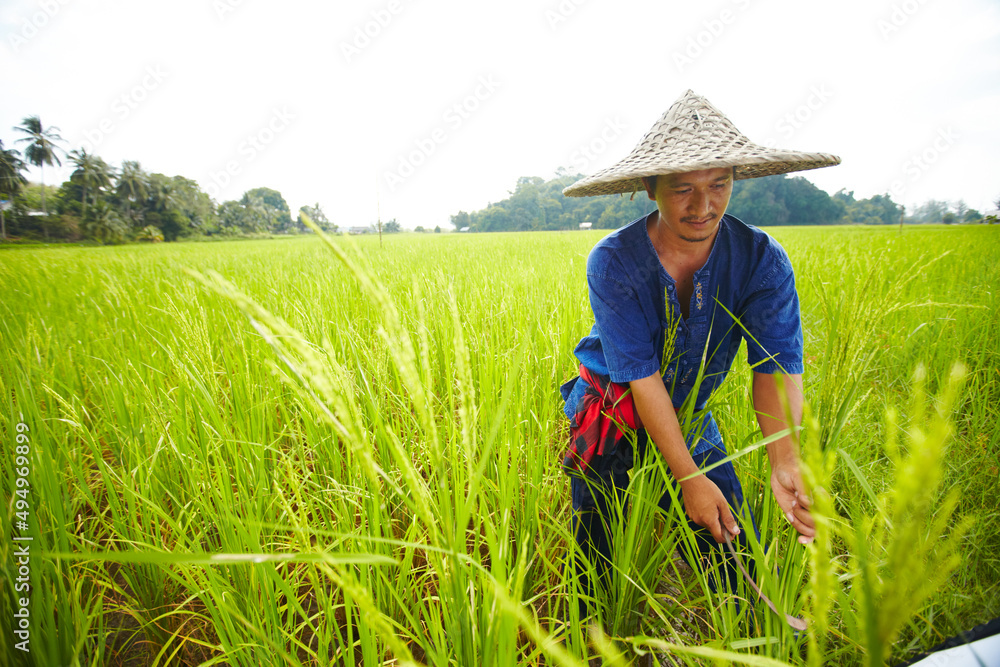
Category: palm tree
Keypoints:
(92, 173)
(11, 180)
(163, 206)
(107, 226)
(41, 148)
(162, 196)
(132, 186)
(259, 215)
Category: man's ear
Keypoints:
(649, 182)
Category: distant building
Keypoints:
(586, 225)
(464, 229)
(359, 230)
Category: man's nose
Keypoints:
(701, 204)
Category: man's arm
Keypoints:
(703, 501)
(786, 480)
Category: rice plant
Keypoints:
(310, 452)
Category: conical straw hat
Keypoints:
(694, 135)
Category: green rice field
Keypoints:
(298, 452)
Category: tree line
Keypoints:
(536, 204)
(116, 205)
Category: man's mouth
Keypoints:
(700, 223)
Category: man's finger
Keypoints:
(804, 517)
(727, 523)
(801, 513)
(714, 526)
(730, 523)
(802, 500)
(805, 530)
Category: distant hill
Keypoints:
(537, 204)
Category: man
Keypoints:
(690, 266)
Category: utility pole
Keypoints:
(4, 205)
(378, 213)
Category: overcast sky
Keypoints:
(428, 107)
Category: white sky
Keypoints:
(181, 86)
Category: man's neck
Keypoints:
(678, 254)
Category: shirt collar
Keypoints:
(705, 270)
(651, 249)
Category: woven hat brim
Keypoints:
(693, 135)
(752, 161)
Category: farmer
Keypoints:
(685, 265)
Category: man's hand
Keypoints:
(773, 416)
(703, 502)
(707, 507)
(786, 482)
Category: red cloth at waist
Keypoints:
(605, 409)
(596, 427)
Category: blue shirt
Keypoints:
(747, 272)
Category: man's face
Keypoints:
(692, 204)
